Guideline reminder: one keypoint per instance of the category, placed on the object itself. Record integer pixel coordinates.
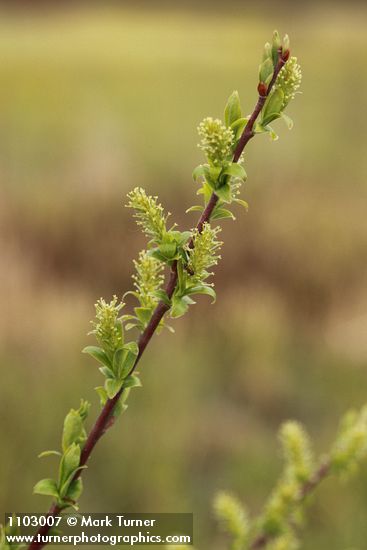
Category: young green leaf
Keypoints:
(221, 214)
(276, 45)
(143, 314)
(235, 170)
(168, 251)
(98, 354)
(232, 111)
(10, 530)
(118, 360)
(242, 203)
(198, 172)
(75, 490)
(103, 397)
(202, 289)
(238, 126)
(224, 193)
(197, 208)
(47, 487)
(108, 373)
(287, 119)
(73, 430)
(120, 408)
(132, 381)
(266, 71)
(69, 464)
(162, 295)
(112, 387)
(128, 364)
(129, 326)
(273, 106)
(133, 347)
(180, 305)
(45, 454)
(180, 237)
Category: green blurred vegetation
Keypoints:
(93, 103)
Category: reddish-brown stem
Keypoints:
(43, 531)
(105, 418)
(307, 488)
(248, 132)
(103, 421)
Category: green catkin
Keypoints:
(350, 447)
(297, 451)
(149, 214)
(204, 253)
(233, 518)
(285, 542)
(289, 80)
(216, 141)
(148, 279)
(107, 328)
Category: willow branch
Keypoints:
(248, 132)
(307, 488)
(105, 419)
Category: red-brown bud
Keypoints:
(285, 55)
(262, 89)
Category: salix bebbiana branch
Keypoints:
(187, 256)
(275, 528)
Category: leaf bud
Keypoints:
(286, 42)
(276, 41)
(276, 47)
(285, 55)
(267, 51)
(233, 109)
(262, 89)
(266, 71)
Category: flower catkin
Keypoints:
(107, 327)
(233, 518)
(350, 447)
(204, 253)
(289, 80)
(216, 141)
(149, 214)
(297, 451)
(148, 279)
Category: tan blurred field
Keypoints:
(93, 103)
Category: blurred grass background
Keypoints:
(94, 102)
